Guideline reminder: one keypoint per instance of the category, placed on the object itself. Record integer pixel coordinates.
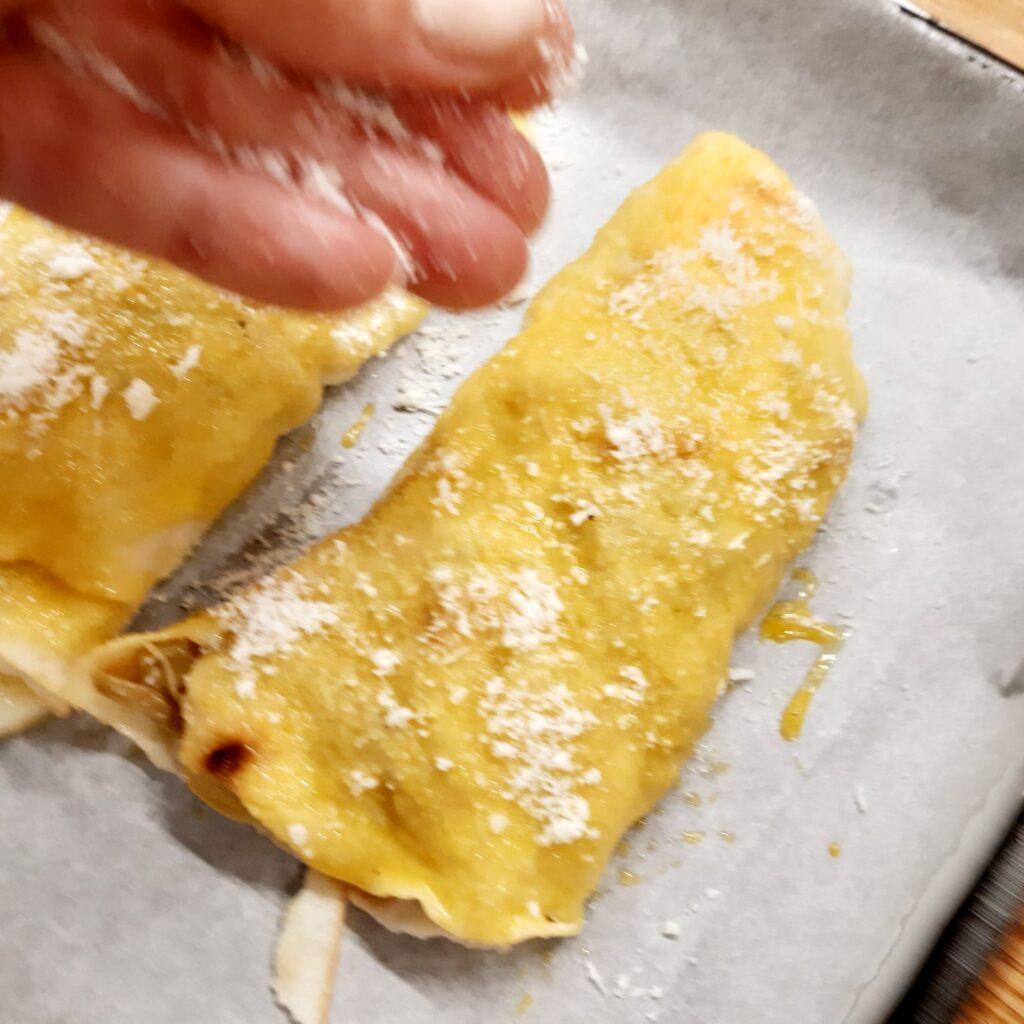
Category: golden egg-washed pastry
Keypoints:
(136, 403)
(458, 705)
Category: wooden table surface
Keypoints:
(975, 975)
(994, 25)
(998, 995)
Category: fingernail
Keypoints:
(479, 28)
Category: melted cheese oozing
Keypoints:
(463, 701)
(136, 403)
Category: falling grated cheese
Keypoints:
(370, 110)
(87, 60)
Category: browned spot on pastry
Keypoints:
(228, 759)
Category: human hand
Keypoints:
(145, 122)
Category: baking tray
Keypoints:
(121, 899)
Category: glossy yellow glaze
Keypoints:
(136, 402)
(465, 699)
(795, 713)
(351, 436)
(792, 619)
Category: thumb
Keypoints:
(479, 45)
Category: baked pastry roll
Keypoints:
(136, 403)
(458, 705)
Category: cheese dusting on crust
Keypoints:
(503, 665)
(136, 402)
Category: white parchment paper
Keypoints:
(122, 900)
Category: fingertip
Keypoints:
(319, 261)
(506, 169)
(553, 66)
(483, 146)
(236, 228)
(523, 51)
(470, 31)
(481, 273)
(137, 184)
(464, 46)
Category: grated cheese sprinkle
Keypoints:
(533, 618)
(524, 610)
(46, 368)
(534, 732)
(634, 438)
(268, 621)
(633, 690)
(140, 398)
(360, 782)
(298, 835)
(717, 278)
(71, 262)
(189, 361)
